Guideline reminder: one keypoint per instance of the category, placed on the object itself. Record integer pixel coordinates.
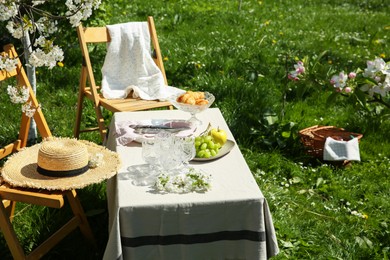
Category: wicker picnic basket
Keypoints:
(313, 138)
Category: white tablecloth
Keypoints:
(231, 221)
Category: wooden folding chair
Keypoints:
(94, 35)
(10, 195)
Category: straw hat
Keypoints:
(60, 164)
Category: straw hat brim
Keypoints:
(20, 170)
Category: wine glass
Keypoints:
(188, 149)
(169, 157)
(193, 109)
(150, 153)
(147, 174)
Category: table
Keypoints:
(230, 221)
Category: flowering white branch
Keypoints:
(18, 95)
(45, 52)
(7, 64)
(22, 22)
(193, 181)
(375, 79)
(29, 109)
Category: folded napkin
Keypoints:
(335, 150)
(129, 66)
(126, 130)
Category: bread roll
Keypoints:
(192, 98)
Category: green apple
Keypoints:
(218, 135)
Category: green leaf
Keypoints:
(332, 97)
(296, 179)
(286, 134)
(368, 242)
(319, 182)
(301, 90)
(304, 243)
(361, 96)
(364, 242)
(286, 244)
(271, 119)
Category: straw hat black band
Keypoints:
(62, 165)
(69, 173)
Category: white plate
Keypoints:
(139, 137)
(225, 149)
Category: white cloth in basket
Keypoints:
(335, 150)
(128, 65)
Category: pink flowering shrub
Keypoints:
(365, 87)
(306, 76)
(298, 72)
(369, 85)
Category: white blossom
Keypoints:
(18, 95)
(80, 10)
(46, 26)
(339, 80)
(193, 181)
(95, 160)
(46, 54)
(8, 10)
(378, 70)
(29, 109)
(15, 29)
(38, 2)
(7, 63)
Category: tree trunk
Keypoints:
(32, 133)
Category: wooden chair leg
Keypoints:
(76, 132)
(79, 220)
(9, 234)
(54, 239)
(100, 121)
(80, 101)
(9, 208)
(79, 212)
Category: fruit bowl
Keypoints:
(193, 109)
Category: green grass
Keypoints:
(240, 55)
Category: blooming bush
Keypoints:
(307, 75)
(7, 64)
(18, 95)
(33, 18)
(34, 24)
(369, 85)
(375, 79)
(298, 72)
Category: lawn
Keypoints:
(241, 51)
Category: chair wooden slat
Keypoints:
(53, 199)
(96, 34)
(10, 148)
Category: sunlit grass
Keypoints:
(320, 211)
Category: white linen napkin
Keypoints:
(335, 150)
(128, 65)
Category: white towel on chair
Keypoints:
(128, 65)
